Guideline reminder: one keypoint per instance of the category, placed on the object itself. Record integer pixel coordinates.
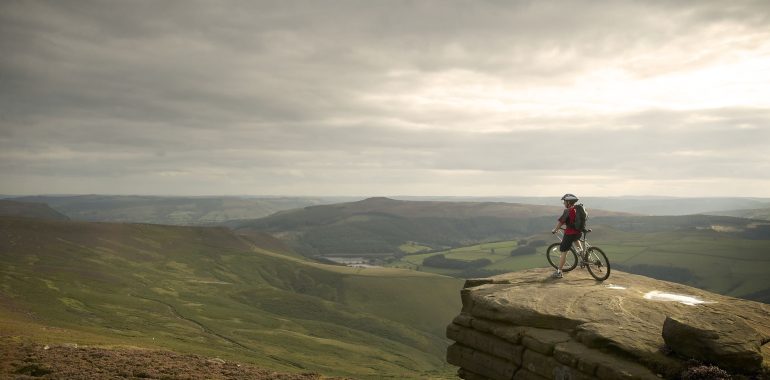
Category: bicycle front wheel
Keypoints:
(598, 264)
(554, 255)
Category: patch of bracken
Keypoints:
(705, 372)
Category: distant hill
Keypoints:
(212, 210)
(171, 210)
(632, 204)
(379, 226)
(29, 210)
(735, 226)
(757, 213)
(422, 209)
(207, 291)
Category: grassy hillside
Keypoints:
(29, 210)
(208, 291)
(720, 260)
(171, 210)
(382, 226)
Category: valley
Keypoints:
(361, 289)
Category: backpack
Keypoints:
(581, 217)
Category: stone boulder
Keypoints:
(526, 325)
(725, 340)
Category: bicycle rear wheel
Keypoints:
(554, 255)
(598, 264)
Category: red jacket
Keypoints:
(568, 218)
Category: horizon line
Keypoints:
(7, 196)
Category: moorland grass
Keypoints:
(206, 291)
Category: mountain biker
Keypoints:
(571, 234)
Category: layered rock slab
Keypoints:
(528, 325)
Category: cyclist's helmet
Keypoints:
(569, 197)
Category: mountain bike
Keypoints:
(583, 254)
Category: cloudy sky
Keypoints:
(385, 97)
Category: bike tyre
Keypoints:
(598, 264)
(554, 255)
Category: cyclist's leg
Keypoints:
(581, 244)
(562, 260)
(566, 243)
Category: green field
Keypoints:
(411, 247)
(707, 259)
(493, 251)
(208, 291)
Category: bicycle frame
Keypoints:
(585, 255)
(581, 245)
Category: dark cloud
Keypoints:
(299, 94)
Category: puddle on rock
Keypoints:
(656, 295)
(611, 286)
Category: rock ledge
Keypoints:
(525, 325)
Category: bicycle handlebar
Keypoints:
(560, 234)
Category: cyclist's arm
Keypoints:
(561, 221)
(558, 226)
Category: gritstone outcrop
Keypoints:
(526, 325)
